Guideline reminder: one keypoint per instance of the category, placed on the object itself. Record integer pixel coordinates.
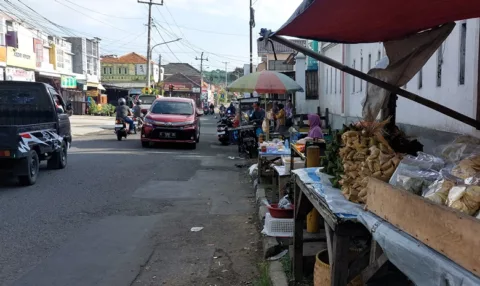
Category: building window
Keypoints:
(60, 58)
(119, 70)
(104, 70)
(420, 79)
(353, 78)
(369, 62)
(311, 82)
(330, 81)
(111, 71)
(463, 47)
(439, 65)
(361, 69)
(279, 65)
(335, 81)
(325, 81)
(126, 71)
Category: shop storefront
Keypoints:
(21, 65)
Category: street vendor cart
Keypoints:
(401, 228)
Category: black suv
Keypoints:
(34, 126)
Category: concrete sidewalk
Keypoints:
(87, 124)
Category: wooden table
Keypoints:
(338, 235)
(295, 153)
(280, 179)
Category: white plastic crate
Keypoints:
(298, 163)
(278, 227)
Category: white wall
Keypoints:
(330, 89)
(462, 98)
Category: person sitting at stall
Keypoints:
(315, 131)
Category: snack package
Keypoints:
(439, 190)
(415, 181)
(461, 148)
(465, 198)
(467, 167)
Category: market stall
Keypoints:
(363, 166)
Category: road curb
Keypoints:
(270, 244)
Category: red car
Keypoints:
(172, 119)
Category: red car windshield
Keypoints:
(172, 107)
(147, 99)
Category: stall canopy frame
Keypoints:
(367, 21)
(267, 35)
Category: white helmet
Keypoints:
(122, 101)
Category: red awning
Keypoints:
(365, 21)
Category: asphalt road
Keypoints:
(122, 215)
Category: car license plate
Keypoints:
(118, 125)
(221, 133)
(167, 135)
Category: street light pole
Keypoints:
(149, 54)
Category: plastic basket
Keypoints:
(278, 227)
(276, 212)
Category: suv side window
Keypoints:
(57, 99)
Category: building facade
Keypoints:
(86, 60)
(127, 71)
(450, 78)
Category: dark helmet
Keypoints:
(122, 101)
(139, 102)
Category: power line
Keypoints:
(100, 21)
(108, 15)
(168, 46)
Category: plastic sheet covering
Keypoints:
(320, 184)
(337, 203)
(405, 58)
(423, 265)
(307, 175)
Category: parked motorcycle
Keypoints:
(247, 141)
(223, 132)
(121, 129)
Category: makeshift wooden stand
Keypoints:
(338, 234)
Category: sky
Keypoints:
(219, 28)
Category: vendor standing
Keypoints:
(257, 116)
(280, 117)
(315, 131)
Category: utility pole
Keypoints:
(201, 59)
(226, 80)
(251, 24)
(159, 71)
(226, 75)
(149, 54)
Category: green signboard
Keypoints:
(312, 64)
(68, 82)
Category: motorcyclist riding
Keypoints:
(231, 109)
(123, 112)
(212, 108)
(137, 110)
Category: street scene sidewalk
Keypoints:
(331, 143)
(123, 215)
(86, 124)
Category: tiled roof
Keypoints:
(183, 68)
(279, 48)
(131, 58)
(179, 77)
